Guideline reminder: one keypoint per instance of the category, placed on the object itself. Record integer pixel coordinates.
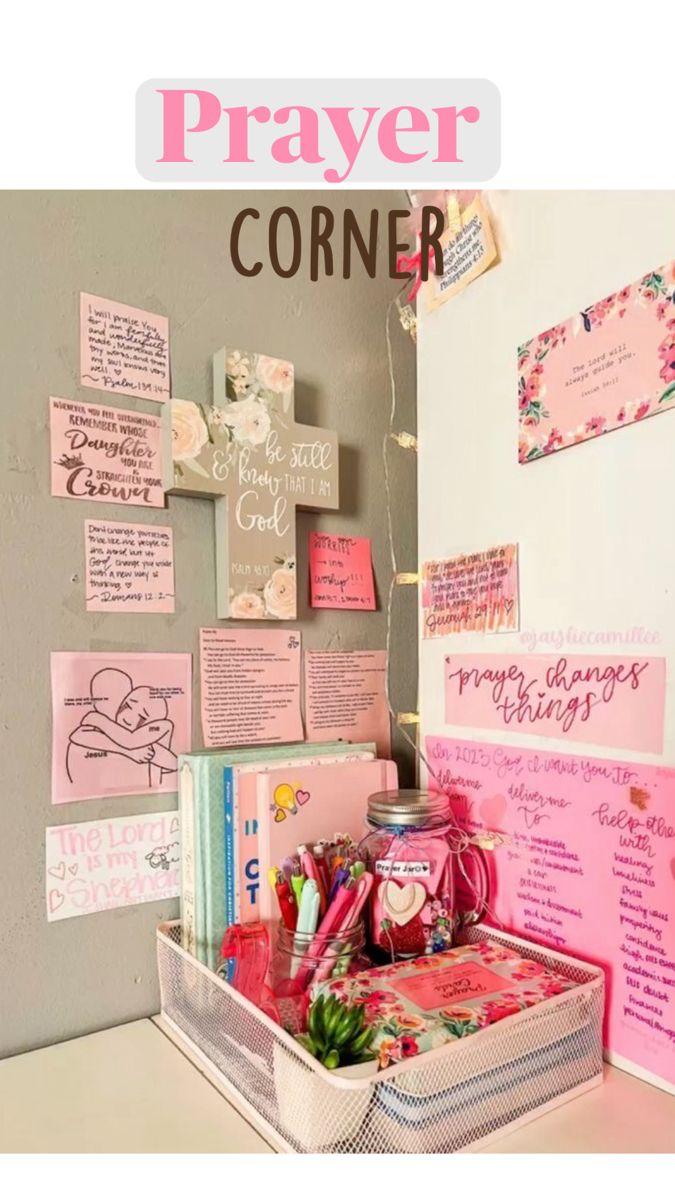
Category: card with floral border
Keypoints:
(611, 364)
(247, 452)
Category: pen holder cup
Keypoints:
(301, 960)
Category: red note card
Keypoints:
(341, 572)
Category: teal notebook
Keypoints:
(202, 804)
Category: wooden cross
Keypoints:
(248, 453)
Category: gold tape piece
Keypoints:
(408, 718)
(407, 440)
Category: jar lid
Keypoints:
(408, 806)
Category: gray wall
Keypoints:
(166, 252)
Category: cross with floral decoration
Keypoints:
(247, 452)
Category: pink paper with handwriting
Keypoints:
(341, 572)
(587, 867)
(606, 700)
(129, 568)
(123, 349)
(609, 365)
(110, 863)
(119, 721)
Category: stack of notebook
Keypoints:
(242, 811)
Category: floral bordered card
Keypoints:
(609, 365)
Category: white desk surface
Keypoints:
(129, 1089)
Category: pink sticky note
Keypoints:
(345, 697)
(129, 567)
(250, 686)
(97, 865)
(602, 699)
(123, 349)
(607, 366)
(585, 867)
(119, 722)
(107, 454)
(341, 572)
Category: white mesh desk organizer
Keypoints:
(461, 1095)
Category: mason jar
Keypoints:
(302, 960)
(409, 854)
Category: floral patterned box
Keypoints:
(422, 1004)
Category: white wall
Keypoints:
(594, 522)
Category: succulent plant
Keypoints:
(337, 1033)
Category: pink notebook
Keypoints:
(249, 881)
(300, 804)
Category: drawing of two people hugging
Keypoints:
(125, 737)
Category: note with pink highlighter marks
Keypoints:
(586, 866)
(603, 699)
(300, 804)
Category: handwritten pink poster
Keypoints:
(609, 365)
(250, 686)
(119, 722)
(602, 699)
(346, 697)
(129, 567)
(341, 572)
(587, 867)
(107, 454)
(123, 349)
(477, 592)
(97, 865)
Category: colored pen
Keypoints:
(311, 870)
(308, 916)
(297, 883)
(287, 904)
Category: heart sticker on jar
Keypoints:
(401, 903)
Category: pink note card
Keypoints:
(123, 350)
(341, 572)
(587, 867)
(250, 682)
(97, 865)
(450, 985)
(601, 699)
(107, 454)
(476, 591)
(345, 697)
(119, 722)
(609, 365)
(129, 567)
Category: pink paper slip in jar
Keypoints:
(412, 903)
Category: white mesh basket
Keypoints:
(459, 1096)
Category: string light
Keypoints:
(483, 840)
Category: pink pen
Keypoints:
(362, 892)
(363, 889)
(311, 871)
